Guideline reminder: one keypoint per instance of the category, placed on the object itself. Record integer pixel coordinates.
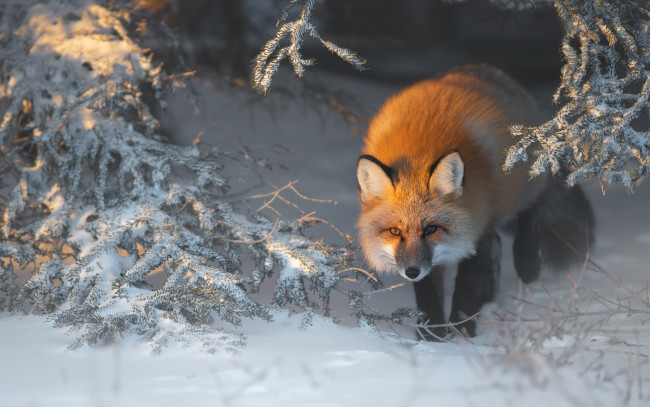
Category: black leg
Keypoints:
(476, 282)
(525, 247)
(428, 299)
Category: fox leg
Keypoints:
(429, 300)
(476, 282)
(525, 247)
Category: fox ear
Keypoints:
(448, 175)
(373, 177)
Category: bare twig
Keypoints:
(451, 325)
(308, 217)
(597, 268)
(383, 290)
(360, 270)
(290, 185)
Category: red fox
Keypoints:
(432, 192)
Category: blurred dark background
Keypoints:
(402, 41)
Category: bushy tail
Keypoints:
(557, 231)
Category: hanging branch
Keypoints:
(601, 131)
(266, 63)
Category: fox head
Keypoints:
(413, 219)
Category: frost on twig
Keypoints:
(128, 234)
(601, 130)
(310, 273)
(93, 195)
(266, 63)
(546, 329)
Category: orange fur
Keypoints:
(467, 110)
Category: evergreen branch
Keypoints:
(267, 62)
(122, 242)
(597, 133)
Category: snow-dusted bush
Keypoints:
(98, 201)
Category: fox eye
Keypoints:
(429, 230)
(395, 231)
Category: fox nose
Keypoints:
(412, 272)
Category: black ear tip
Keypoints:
(368, 157)
(433, 166)
(387, 170)
(363, 158)
(450, 178)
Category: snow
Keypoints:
(283, 363)
(527, 353)
(325, 365)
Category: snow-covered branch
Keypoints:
(99, 204)
(267, 62)
(602, 127)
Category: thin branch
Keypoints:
(267, 62)
(268, 235)
(359, 270)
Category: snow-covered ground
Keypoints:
(572, 340)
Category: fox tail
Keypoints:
(556, 232)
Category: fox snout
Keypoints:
(413, 259)
(414, 273)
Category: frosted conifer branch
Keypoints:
(96, 197)
(601, 131)
(96, 206)
(267, 62)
